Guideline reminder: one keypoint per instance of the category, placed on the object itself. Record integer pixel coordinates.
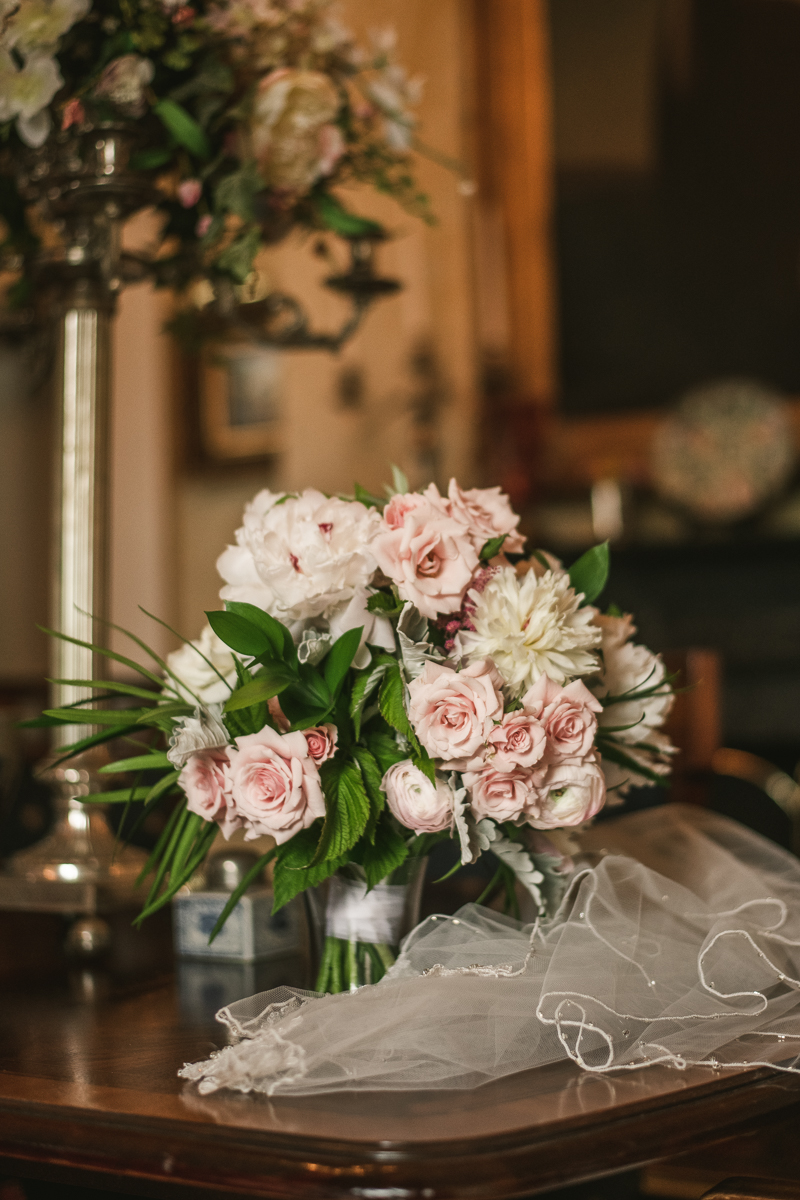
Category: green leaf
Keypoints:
(240, 890)
(98, 716)
(313, 688)
(270, 681)
(616, 755)
(382, 602)
(492, 547)
(590, 573)
(237, 191)
(364, 685)
(392, 704)
(385, 750)
(121, 796)
(109, 685)
(237, 259)
(423, 762)
(347, 809)
(280, 637)
(148, 160)
(240, 633)
(120, 658)
(338, 659)
(366, 498)
(388, 852)
(142, 762)
(183, 127)
(373, 777)
(399, 480)
(292, 874)
(335, 216)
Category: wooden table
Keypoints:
(88, 1092)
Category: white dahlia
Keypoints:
(530, 626)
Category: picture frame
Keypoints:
(241, 393)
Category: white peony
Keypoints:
(530, 626)
(300, 557)
(38, 24)
(201, 681)
(203, 731)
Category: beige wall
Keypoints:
(329, 446)
(168, 526)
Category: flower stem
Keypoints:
(336, 966)
(354, 981)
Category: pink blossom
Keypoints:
(203, 225)
(567, 715)
(206, 782)
(74, 114)
(453, 712)
(415, 801)
(185, 15)
(488, 514)
(331, 148)
(322, 741)
(502, 795)
(518, 741)
(426, 553)
(189, 192)
(274, 783)
(569, 794)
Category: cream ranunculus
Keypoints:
(292, 133)
(530, 626)
(415, 801)
(299, 557)
(569, 794)
(202, 681)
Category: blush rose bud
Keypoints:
(415, 801)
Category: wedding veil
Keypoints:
(680, 945)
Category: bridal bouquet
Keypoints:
(385, 674)
(247, 113)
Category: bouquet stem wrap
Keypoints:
(680, 946)
(363, 929)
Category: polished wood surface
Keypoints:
(88, 1090)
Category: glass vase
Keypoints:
(355, 933)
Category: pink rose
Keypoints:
(487, 512)
(430, 502)
(569, 794)
(518, 741)
(205, 781)
(322, 742)
(427, 554)
(453, 712)
(501, 795)
(275, 785)
(189, 192)
(415, 801)
(568, 717)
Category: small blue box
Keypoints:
(252, 932)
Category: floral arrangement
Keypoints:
(247, 113)
(386, 674)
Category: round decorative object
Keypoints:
(725, 451)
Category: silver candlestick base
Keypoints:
(79, 868)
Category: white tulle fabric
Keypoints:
(680, 945)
